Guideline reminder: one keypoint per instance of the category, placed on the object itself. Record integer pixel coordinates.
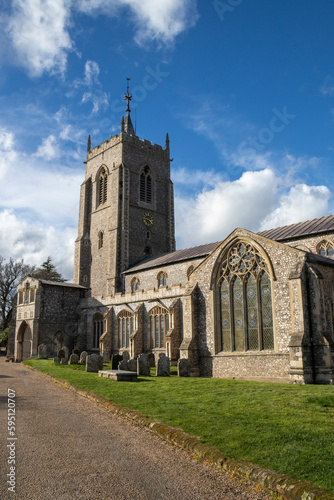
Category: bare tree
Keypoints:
(11, 273)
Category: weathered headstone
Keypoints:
(83, 357)
(56, 360)
(42, 351)
(74, 359)
(143, 365)
(132, 365)
(94, 363)
(64, 361)
(123, 365)
(66, 351)
(163, 368)
(76, 351)
(151, 359)
(126, 355)
(115, 361)
(61, 354)
(183, 367)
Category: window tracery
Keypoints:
(125, 329)
(135, 285)
(145, 186)
(326, 249)
(246, 321)
(162, 279)
(159, 322)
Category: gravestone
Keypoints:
(83, 357)
(42, 351)
(74, 359)
(94, 363)
(123, 365)
(115, 361)
(163, 368)
(64, 361)
(183, 367)
(126, 355)
(56, 360)
(61, 354)
(132, 365)
(76, 351)
(151, 359)
(66, 351)
(143, 365)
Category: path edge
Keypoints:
(281, 484)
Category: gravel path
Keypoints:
(68, 447)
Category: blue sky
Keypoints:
(245, 89)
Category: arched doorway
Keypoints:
(24, 339)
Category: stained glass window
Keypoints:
(245, 293)
(326, 249)
(159, 324)
(125, 329)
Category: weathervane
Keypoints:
(127, 97)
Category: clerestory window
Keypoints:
(245, 305)
(162, 279)
(326, 249)
(146, 186)
(135, 285)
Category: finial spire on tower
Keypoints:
(128, 127)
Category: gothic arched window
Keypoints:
(97, 330)
(125, 329)
(162, 279)
(245, 305)
(326, 249)
(145, 188)
(135, 285)
(158, 324)
(102, 187)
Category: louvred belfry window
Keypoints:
(102, 187)
(246, 319)
(146, 186)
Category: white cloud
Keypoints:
(208, 178)
(161, 21)
(98, 99)
(92, 71)
(34, 242)
(255, 201)
(328, 87)
(301, 203)
(38, 212)
(49, 149)
(8, 154)
(38, 30)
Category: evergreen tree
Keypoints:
(48, 272)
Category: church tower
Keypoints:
(126, 208)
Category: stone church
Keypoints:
(253, 306)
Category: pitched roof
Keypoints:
(173, 257)
(61, 283)
(293, 231)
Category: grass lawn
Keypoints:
(288, 428)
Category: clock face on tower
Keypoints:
(148, 219)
